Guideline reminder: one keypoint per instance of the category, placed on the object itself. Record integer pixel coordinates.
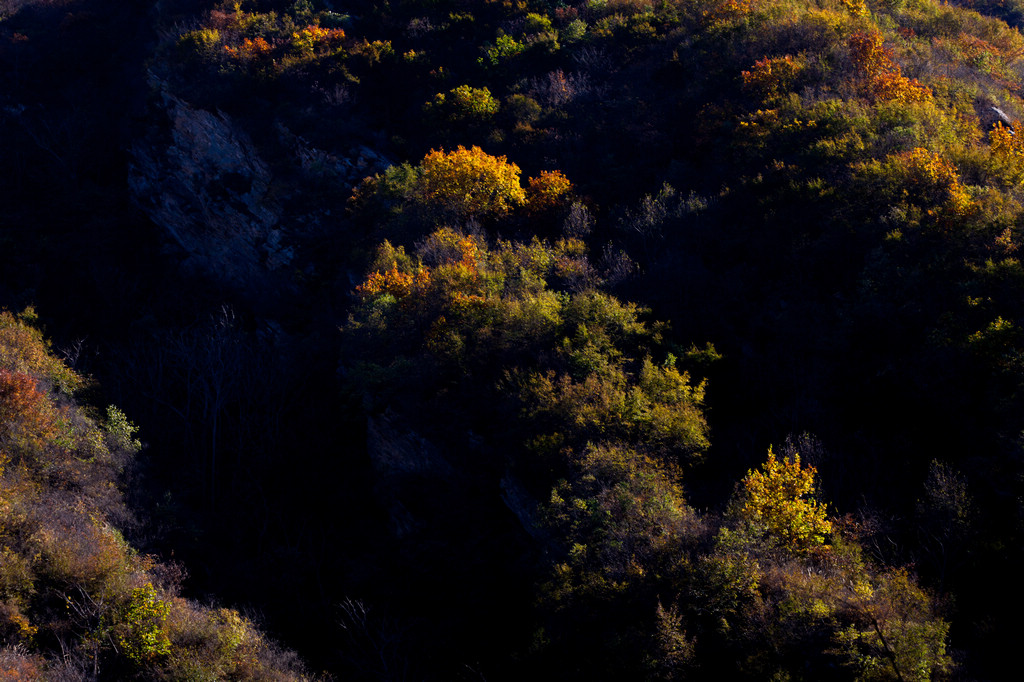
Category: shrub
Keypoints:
(573, 32)
(777, 504)
(199, 45)
(548, 190)
(770, 77)
(537, 23)
(505, 47)
(880, 75)
(138, 626)
(465, 104)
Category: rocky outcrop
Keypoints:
(207, 186)
(347, 170)
(989, 115)
(201, 179)
(396, 451)
(523, 505)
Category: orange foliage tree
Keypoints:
(23, 349)
(934, 177)
(1007, 151)
(548, 190)
(249, 49)
(394, 282)
(880, 75)
(314, 40)
(1004, 144)
(26, 416)
(923, 181)
(770, 77)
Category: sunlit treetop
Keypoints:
(778, 501)
(470, 182)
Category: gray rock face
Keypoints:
(347, 171)
(989, 115)
(525, 507)
(396, 451)
(208, 187)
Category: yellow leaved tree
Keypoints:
(469, 183)
(777, 503)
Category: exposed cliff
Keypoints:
(240, 220)
(203, 181)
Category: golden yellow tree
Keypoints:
(778, 502)
(468, 183)
(772, 77)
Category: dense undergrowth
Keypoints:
(76, 601)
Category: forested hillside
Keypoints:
(511, 339)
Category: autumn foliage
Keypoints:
(27, 418)
(314, 40)
(470, 182)
(778, 499)
(846, 226)
(394, 282)
(74, 595)
(881, 77)
(249, 49)
(923, 181)
(771, 76)
(726, 10)
(1007, 149)
(548, 190)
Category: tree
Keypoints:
(469, 183)
(138, 626)
(464, 104)
(27, 419)
(946, 518)
(894, 634)
(548, 190)
(777, 504)
(881, 76)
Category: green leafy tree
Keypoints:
(465, 104)
(894, 634)
(138, 626)
(505, 47)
